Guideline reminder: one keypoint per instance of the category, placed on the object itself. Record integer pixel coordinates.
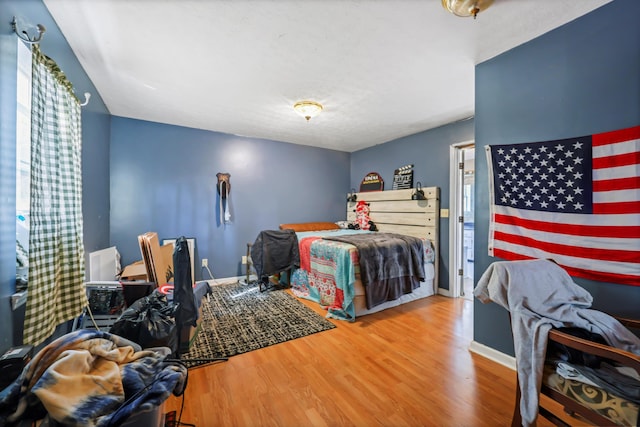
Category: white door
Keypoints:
(461, 233)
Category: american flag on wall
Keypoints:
(576, 201)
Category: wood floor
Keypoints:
(406, 366)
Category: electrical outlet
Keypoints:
(244, 259)
(205, 262)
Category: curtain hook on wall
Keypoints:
(24, 36)
(87, 97)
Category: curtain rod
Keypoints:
(24, 36)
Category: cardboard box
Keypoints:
(158, 260)
(134, 271)
(166, 252)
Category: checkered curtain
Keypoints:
(56, 253)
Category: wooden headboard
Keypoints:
(309, 226)
(393, 211)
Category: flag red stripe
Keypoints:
(629, 183)
(617, 208)
(602, 276)
(622, 279)
(625, 159)
(570, 229)
(621, 135)
(574, 251)
(511, 256)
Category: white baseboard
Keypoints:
(445, 292)
(228, 280)
(493, 354)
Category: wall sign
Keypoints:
(403, 177)
(372, 182)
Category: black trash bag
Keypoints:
(150, 322)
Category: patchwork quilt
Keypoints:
(330, 276)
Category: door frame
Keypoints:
(456, 209)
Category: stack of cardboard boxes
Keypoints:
(156, 264)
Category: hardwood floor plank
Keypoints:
(405, 366)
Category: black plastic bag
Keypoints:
(150, 322)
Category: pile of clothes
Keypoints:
(91, 378)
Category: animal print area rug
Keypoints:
(238, 318)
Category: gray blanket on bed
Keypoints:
(391, 263)
(540, 295)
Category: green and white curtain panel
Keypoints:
(56, 253)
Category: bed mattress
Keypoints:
(426, 289)
(329, 275)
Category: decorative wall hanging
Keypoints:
(403, 177)
(372, 182)
(224, 190)
(575, 201)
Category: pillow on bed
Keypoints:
(310, 226)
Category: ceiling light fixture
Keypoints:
(307, 109)
(466, 8)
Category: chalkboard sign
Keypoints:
(372, 182)
(403, 177)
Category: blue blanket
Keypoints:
(91, 378)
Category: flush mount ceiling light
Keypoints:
(466, 8)
(307, 109)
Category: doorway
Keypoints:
(462, 219)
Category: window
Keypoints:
(23, 160)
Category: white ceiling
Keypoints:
(382, 69)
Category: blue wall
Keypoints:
(95, 154)
(429, 153)
(163, 179)
(582, 78)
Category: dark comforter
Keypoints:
(391, 265)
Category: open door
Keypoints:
(461, 220)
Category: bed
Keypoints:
(329, 272)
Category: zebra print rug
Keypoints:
(238, 318)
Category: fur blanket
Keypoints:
(91, 378)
